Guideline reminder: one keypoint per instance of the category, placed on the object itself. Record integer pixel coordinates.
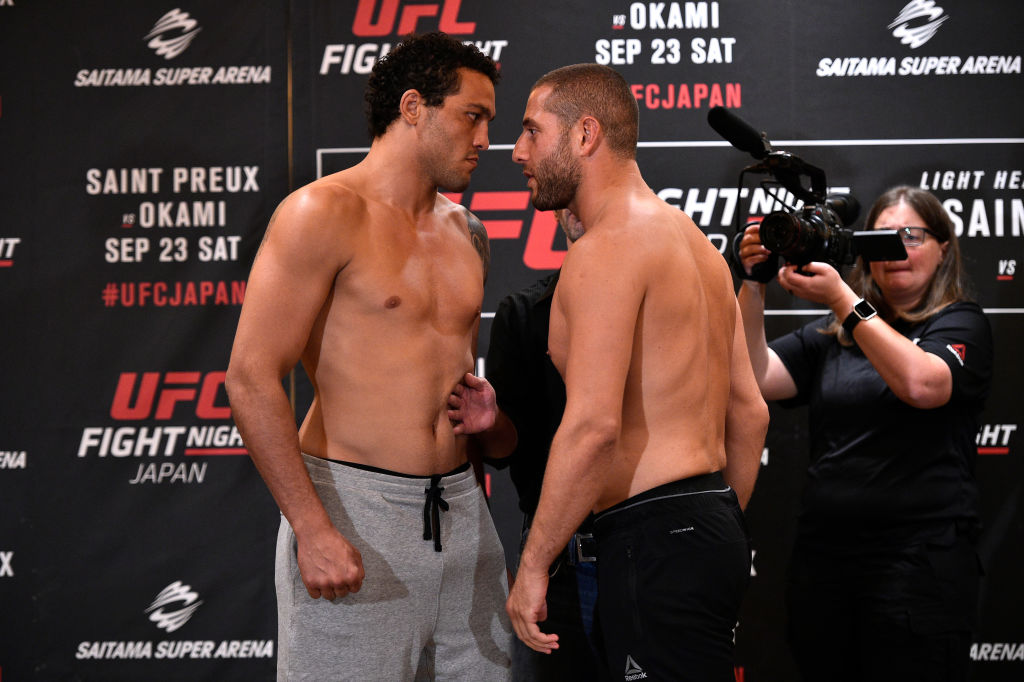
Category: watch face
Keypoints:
(864, 310)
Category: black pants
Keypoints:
(673, 565)
(903, 615)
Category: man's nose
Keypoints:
(482, 140)
(518, 153)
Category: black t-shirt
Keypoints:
(529, 388)
(882, 472)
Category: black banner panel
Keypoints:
(144, 147)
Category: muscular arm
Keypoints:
(746, 421)
(290, 280)
(600, 304)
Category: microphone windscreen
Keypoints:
(738, 132)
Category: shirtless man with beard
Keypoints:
(664, 424)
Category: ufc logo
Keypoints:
(407, 19)
(165, 391)
(540, 253)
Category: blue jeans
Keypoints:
(572, 594)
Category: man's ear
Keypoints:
(411, 107)
(590, 132)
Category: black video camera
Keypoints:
(813, 232)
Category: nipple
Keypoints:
(393, 302)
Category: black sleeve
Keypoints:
(802, 352)
(505, 363)
(960, 334)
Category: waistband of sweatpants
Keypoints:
(459, 480)
(695, 491)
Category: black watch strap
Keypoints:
(862, 310)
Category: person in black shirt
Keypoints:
(884, 577)
(531, 394)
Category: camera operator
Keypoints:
(884, 577)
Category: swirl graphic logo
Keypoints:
(172, 33)
(175, 593)
(917, 36)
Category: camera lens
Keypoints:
(795, 237)
(780, 231)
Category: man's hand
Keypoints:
(472, 406)
(330, 566)
(526, 606)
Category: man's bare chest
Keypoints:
(438, 282)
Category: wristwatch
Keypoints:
(862, 310)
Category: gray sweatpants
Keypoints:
(421, 614)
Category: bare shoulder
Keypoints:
(474, 229)
(327, 204)
(672, 249)
(624, 237)
(591, 250)
(606, 259)
(325, 200)
(676, 233)
(316, 221)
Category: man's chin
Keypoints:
(542, 203)
(455, 186)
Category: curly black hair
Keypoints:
(426, 63)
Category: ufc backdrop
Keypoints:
(144, 146)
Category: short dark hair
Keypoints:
(599, 91)
(427, 63)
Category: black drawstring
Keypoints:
(432, 512)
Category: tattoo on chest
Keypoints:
(478, 235)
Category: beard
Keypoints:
(557, 178)
(437, 157)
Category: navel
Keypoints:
(393, 302)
